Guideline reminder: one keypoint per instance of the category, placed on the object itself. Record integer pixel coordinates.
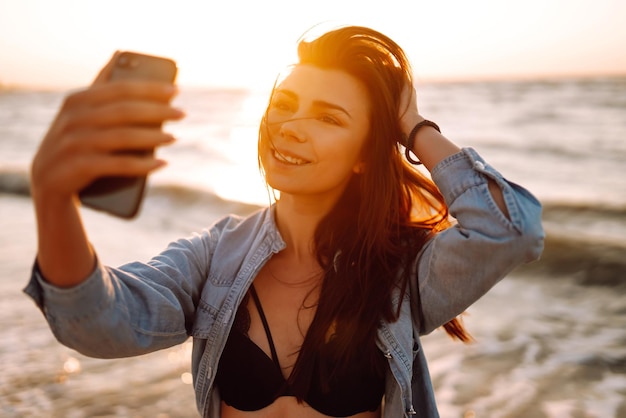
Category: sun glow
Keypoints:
(243, 43)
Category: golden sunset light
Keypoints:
(284, 236)
(244, 43)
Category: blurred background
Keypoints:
(537, 87)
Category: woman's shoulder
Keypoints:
(259, 222)
(233, 221)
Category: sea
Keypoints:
(549, 340)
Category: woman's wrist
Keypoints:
(430, 146)
(410, 140)
(407, 123)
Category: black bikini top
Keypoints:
(249, 380)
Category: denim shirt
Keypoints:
(193, 288)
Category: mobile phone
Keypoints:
(122, 196)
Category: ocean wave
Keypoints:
(14, 181)
(588, 263)
(603, 210)
(609, 151)
(584, 240)
(176, 196)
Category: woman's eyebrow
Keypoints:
(322, 103)
(317, 103)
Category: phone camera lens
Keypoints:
(123, 61)
(126, 61)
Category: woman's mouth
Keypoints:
(288, 159)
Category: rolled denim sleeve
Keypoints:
(131, 310)
(460, 264)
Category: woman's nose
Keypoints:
(292, 129)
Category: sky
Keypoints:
(235, 43)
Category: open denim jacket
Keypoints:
(193, 288)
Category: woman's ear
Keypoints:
(359, 167)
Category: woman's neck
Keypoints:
(297, 218)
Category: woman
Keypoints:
(314, 306)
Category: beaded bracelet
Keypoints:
(411, 139)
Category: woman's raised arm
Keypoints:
(84, 142)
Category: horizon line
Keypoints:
(418, 79)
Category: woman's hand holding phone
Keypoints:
(96, 133)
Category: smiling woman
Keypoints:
(315, 305)
(315, 127)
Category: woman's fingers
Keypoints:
(126, 113)
(119, 103)
(71, 169)
(132, 90)
(119, 140)
(123, 165)
(97, 130)
(86, 144)
(408, 113)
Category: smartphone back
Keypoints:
(122, 196)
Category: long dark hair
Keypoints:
(367, 242)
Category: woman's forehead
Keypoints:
(309, 82)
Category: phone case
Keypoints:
(122, 196)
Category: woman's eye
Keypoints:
(329, 119)
(281, 105)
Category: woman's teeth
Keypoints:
(288, 159)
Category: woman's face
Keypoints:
(317, 122)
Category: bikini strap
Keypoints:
(266, 326)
